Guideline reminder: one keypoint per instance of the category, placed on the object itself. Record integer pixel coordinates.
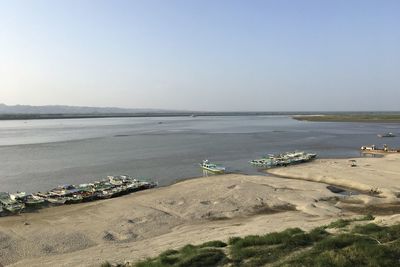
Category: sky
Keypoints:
(205, 55)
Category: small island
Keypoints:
(352, 117)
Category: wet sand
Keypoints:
(146, 223)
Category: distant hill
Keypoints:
(59, 109)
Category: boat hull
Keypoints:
(212, 170)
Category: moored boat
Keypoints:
(10, 204)
(104, 194)
(56, 200)
(212, 167)
(18, 195)
(74, 199)
(284, 159)
(34, 201)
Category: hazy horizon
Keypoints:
(200, 111)
(202, 55)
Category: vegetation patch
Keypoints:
(207, 254)
(213, 244)
(357, 245)
(345, 222)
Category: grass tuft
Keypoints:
(213, 244)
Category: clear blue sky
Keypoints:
(202, 55)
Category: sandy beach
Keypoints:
(194, 211)
(378, 178)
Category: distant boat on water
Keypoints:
(387, 135)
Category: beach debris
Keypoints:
(353, 163)
(109, 236)
(375, 191)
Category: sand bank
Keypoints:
(145, 223)
(378, 178)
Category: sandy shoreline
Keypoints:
(194, 211)
(377, 177)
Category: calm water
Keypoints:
(41, 154)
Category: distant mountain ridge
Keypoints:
(63, 109)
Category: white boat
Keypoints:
(18, 195)
(56, 200)
(10, 204)
(206, 165)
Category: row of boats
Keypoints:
(284, 159)
(373, 149)
(270, 161)
(113, 186)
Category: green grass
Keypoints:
(341, 223)
(207, 254)
(260, 250)
(365, 244)
(213, 244)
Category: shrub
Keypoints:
(318, 234)
(381, 233)
(188, 250)
(338, 224)
(169, 252)
(150, 263)
(169, 260)
(367, 229)
(368, 217)
(298, 240)
(340, 241)
(213, 244)
(233, 240)
(273, 238)
(204, 258)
